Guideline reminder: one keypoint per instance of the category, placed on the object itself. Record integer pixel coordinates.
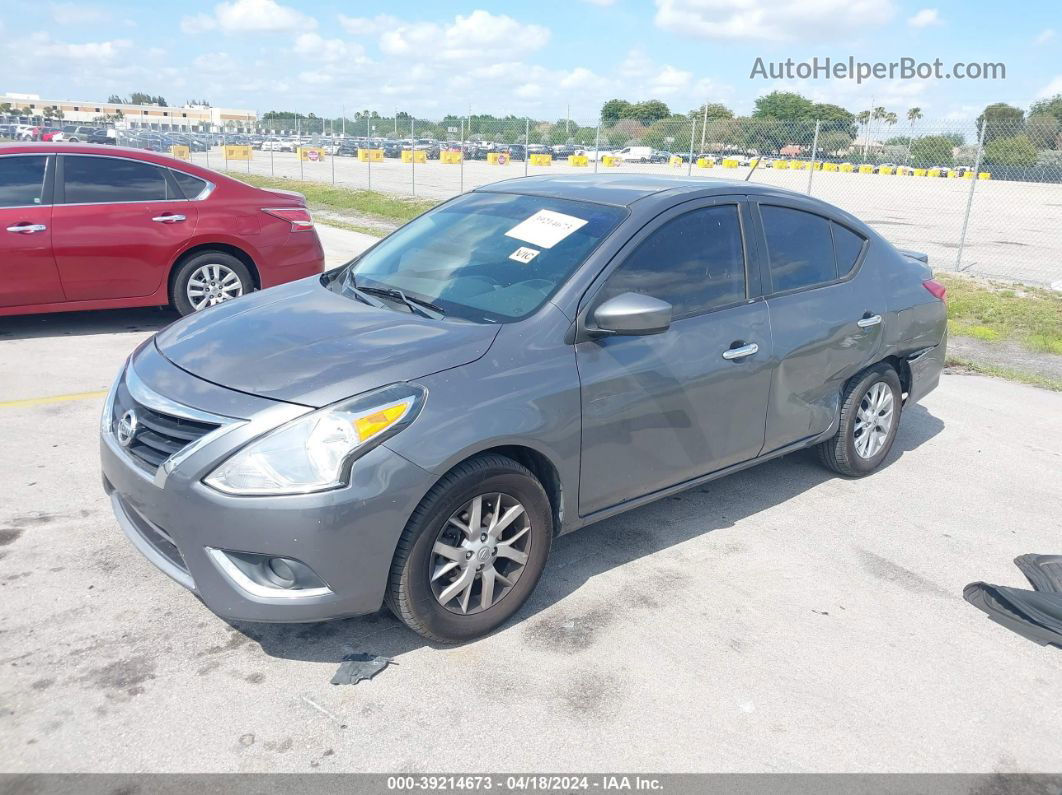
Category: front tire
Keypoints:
(472, 551)
(870, 416)
(209, 278)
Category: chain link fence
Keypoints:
(980, 198)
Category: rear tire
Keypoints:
(421, 577)
(870, 416)
(194, 285)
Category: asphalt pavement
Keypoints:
(781, 619)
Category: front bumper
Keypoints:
(346, 536)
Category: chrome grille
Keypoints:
(158, 435)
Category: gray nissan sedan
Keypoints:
(415, 427)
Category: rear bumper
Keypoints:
(926, 368)
(300, 255)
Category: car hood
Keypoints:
(303, 343)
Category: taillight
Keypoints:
(299, 217)
(936, 288)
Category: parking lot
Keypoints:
(1012, 232)
(781, 619)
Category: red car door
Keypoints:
(118, 225)
(28, 274)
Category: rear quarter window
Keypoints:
(190, 186)
(847, 247)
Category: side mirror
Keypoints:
(631, 315)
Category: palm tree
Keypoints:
(913, 115)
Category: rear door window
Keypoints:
(799, 248)
(107, 180)
(22, 180)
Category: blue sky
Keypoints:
(520, 57)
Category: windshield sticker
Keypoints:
(545, 228)
(524, 254)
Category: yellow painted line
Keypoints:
(40, 401)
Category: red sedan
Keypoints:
(85, 229)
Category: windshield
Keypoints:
(485, 257)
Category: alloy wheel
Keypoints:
(211, 284)
(874, 420)
(480, 553)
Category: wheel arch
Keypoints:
(226, 248)
(902, 368)
(541, 467)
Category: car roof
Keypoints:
(61, 147)
(622, 190)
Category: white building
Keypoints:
(190, 118)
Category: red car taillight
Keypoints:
(299, 217)
(936, 288)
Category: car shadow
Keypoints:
(579, 557)
(77, 324)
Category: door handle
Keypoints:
(26, 229)
(742, 352)
(168, 219)
(867, 322)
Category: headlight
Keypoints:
(315, 451)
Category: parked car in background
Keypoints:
(416, 427)
(347, 148)
(85, 228)
(76, 133)
(106, 136)
(634, 154)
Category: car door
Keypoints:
(28, 274)
(662, 409)
(118, 226)
(826, 315)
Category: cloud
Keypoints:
(770, 20)
(478, 36)
(642, 77)
(362, 26)
(925, 18)
(1045, 35)
(200, 23)
(43, 46)
(74, 13)
(1052, 88)
(313, 45)
(250, 16)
